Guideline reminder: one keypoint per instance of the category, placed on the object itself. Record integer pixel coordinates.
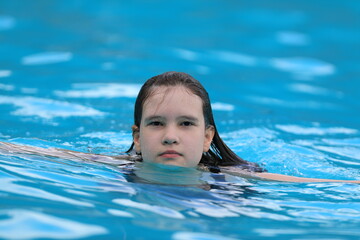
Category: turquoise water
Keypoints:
(283, 79)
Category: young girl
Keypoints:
(174, 125)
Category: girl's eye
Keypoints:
(155, 123)
(187, 124)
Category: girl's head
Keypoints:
(174, 124)
(173, 79)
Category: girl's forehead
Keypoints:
(163, 96)
(168, 92)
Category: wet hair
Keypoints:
(219, 153)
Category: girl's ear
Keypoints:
(136, 138)
(209, 135)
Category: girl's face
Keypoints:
(172, 129)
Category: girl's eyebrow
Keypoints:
(184, 117)
(189, 118)
(154, 117)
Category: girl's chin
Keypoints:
(174, 162)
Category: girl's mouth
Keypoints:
(170, 154)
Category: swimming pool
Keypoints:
(283, 79)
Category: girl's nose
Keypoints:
(167, 141)
(170, 136)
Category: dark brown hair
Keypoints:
(219, 154)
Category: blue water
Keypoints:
(283, 79)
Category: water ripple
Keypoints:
(219, 106)
(198, 236)
(7, 22)
(300, 130)
(100, 90)
(46, 58)
(302, 67)
(292, 38)
(308, 104)
(232, 57)
(7, 87)
(10, 186)
(25, 224)
(187, 54)
(5, 73)
(48, 108)
(163, 211)
(315, 90)
(113, 137)
(350, 152)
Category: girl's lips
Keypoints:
(170, 154)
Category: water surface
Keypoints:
(283, 79)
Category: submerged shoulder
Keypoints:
(278, 177)
(286, 178)
(248, 173)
